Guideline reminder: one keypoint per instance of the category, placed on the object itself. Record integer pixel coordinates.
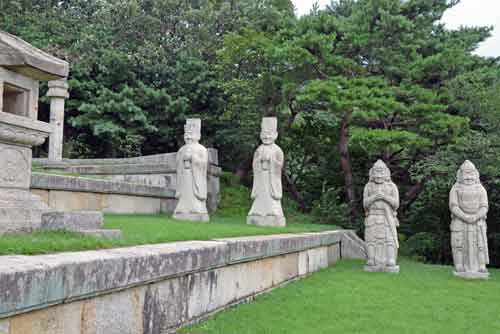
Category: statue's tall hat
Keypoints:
(193, 127)
(380, 168)
(269, 124)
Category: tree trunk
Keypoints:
(294, 192)
(345, 162)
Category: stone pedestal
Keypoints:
(20, 211)
(382, 269)
(267, 221)
(58, 92)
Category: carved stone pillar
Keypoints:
(58, 92)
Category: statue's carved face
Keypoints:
(191, 135)
(380, 173)
(469, 176)
(268, 137)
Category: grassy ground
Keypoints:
(143, 229)
(422, 299)
(230, 221)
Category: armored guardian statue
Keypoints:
(267, 189)
(192, 165)
(381, 202)
(469, 208)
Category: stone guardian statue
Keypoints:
(469, 208)
(267, 190)
(381, 202)
(192, 165)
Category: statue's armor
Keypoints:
(380, 224)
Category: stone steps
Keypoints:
(88, 223)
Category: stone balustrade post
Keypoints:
(58, 93)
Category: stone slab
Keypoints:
(266, 221)
(80, 184)
(28, 283)
(72, 221)
(30, 61)
(377, 269)
(472, 275)
(248, 248)
(193, 217)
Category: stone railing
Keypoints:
(156, 288)
(153, 171)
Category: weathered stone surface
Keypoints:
(191, 166)
(4, 326)
(113, 203)
(165, 305)
(381, 202)
(72, 221)
(35, 282)
(80, 184)
(247, 248)
(22, 57)
(20, 211)
(267, 190)
(469, 208)
(118, 313)
(352, 247)
(58, 92)
(61, 319)
(147, 289)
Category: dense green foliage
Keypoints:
(358, 81)
(422, 299)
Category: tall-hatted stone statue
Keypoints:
(381, 202)
(469, 207)
(192, 165)
(267, 168)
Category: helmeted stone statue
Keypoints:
(381, 202)
(192, 165)
(469, 207)
(267, 188)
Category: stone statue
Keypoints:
(267, 189)
(381, 202)
(192, 165)
(469, 207)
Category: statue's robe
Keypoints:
(381, 221)
(267, 188)
(191, 191)
(470, 239)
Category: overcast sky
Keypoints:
(467, 13)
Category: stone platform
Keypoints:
(155, 288)
(84, 222)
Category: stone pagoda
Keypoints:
(22, 67)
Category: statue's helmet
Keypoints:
(468, 172)
(192, 129)
(380, 170)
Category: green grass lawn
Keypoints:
(147, 229)
(422, 299)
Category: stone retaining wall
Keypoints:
(69, 193)
(155, 289)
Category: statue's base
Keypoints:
(382, 269)
(266, 221)
(472, 275)
(194, 217)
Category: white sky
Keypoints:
(466, 13)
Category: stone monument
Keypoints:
(267, 190)
(469, 207)
(192, 165)
(21, 68)
(381, 202)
